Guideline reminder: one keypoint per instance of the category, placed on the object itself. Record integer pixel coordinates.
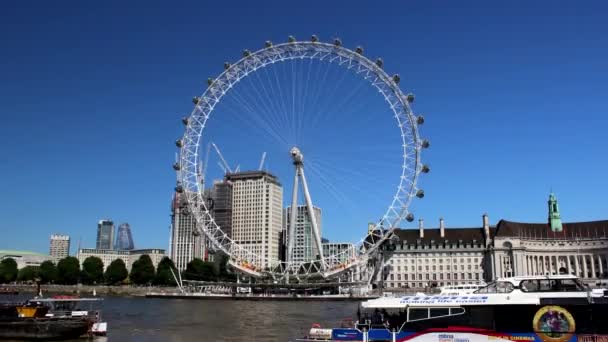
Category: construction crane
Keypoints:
(224, 165)
(262, 161)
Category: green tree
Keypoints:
(198, 269)
(163, 272)
(28, 273)
(8, 270)
(142, 271)
(68, 271)
(47, 272)
(224, 273)
(92, 270)
(116, 272)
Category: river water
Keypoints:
(175, 320)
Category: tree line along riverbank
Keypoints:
(69, 271)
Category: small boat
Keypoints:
(555, 308)
(28, 321)
(73, 306)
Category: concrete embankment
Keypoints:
(88, 290)
(202, 296)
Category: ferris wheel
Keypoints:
(191, 184)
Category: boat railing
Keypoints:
(592, 338)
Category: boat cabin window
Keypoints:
(552, 285)
(496, 287)
(419, 314)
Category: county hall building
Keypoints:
(430, 257)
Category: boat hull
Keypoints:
(43, 329)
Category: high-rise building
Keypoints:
(124, 239)
(105, 234)
(186, 241)
(257, 200)
(304, 245)
(59, 247)
(220, 204)
(337, 253)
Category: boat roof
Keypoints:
(48, 300)
(538, 277)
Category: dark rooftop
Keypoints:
(571, 230)
(245, 175)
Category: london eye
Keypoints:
(301, 54)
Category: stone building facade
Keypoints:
(578, 248)
(426, 258)
(432, 257)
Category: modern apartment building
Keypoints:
(186, 242)
(257, 219)
(59, 247)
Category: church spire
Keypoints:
(555, 220)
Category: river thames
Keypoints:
(143, 319)
(151, 320)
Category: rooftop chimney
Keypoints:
(421, 227)
(486, 228)
(441, 228)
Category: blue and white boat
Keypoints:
(556, 308)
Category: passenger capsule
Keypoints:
(196, 100)
(179, 143)
(195, 232)
(359, 50)
(176, 167)
(291, 39)
(226, 66)
(410, 98)
(268, 44)
(314, 38)
(425, 144)
(396, 78)
(246, 53)
(379, 62)
(425, 169)
(410, 217)
(179, 189)
(337, 42)
(210, 81)
(420, 119)
(185, 121)
(420, 193)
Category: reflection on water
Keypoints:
(138, 319)
(176, 320)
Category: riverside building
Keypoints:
(59, 247)
(257, 222)
(128, 256)
(578, 248)
(425, 258)
(437, 257)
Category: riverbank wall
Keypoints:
(89, 290)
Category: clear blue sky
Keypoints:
(91, 97)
